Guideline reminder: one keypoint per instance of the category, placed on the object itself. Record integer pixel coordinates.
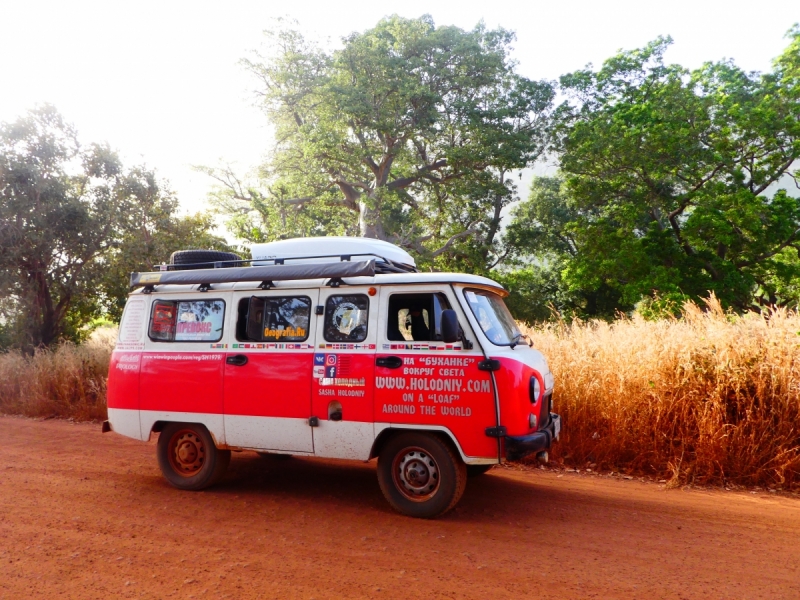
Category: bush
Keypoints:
(707, 398)
(67, 381)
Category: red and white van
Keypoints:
(329, 347)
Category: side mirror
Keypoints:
(450, 328)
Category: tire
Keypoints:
(477, 470)
(188, 458)
(186, 260)
(420, 475)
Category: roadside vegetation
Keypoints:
(710, 397)
(64, 381)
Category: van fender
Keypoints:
(153, 421)
(383, 431)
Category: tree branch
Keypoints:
(787, 242)
(452, 239)
(404, 182)
(351, 195)
(775, 176)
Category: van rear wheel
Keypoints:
(420, 475)
(188, 457)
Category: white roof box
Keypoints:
(330, 249)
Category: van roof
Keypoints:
(378, 279)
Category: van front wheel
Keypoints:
(420, 475)
(188, 457)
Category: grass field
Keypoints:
(68, 382)
(708, 398)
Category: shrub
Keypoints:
(710, 397)
(67, 381)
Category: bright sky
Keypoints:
(159, 80)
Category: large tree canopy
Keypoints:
(408, 133)
(73, 224)
(675, 182)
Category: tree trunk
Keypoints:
(369, 221)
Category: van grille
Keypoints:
(546, 408)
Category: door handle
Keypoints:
(390, 362)
(238, 360)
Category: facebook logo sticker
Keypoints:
(319, 359)
(330, 372)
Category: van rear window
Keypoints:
(187, 320)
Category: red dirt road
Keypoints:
(87, 515)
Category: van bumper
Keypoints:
(518, 447)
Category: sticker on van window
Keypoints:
(187, 321)
(199, 321)
(346, 318)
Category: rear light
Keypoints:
(535, 389)
(532, 421)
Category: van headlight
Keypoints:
(535, 389)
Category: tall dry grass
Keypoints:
(68, 381)
(708, 398)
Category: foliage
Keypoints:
(58, 213)
(536, 292)
(669, 182)
(73, 224)
(542, 227)
(151, 233)
(408, 133)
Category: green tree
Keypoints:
(541, 233)
(671, 180)
(408, 133)
(149, 232)
(73, 223)
(58, 213)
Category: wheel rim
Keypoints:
(187, 453)
(415, 474)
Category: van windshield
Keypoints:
(493, 317)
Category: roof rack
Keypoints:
(267, 274)
(382, 265)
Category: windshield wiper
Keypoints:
(512, 343)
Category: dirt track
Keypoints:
(87, 515)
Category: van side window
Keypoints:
(415, 317)
(187, 320)
(278, 318)
(346, 318)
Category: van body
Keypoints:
(327, 347)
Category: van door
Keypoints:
(181, 366)
(344, 365)
(422, 381)
(267, 396)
